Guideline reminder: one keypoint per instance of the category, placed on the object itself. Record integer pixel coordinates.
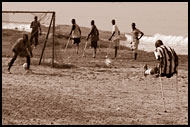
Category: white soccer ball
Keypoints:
(108, 62)
(25, 66)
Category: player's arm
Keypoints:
(113, 32)
(112, 35)
(29, 48)
(90, 33)
(79, 30)
(141, 33)
(31, 25)
(97, 31)
(73, 28)
(40, 28)
(159, 57)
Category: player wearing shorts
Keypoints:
(76, 34)
(94, 36)
(135, 35)
(115, 37)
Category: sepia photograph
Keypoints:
(94, 63)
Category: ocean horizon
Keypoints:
(167, 21)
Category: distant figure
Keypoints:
(35, 25)
(115, 36)
(168, 61)
(94, 35)
(21, 48)
(135, 35)
(76, 34)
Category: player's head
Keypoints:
(25, 37)
(92, 22)
(113, 21)
(158, 43)
(73, 21)
(35, 18)
(133, 25)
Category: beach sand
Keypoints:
(86, 91)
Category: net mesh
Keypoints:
(14, 24)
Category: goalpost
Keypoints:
(20, 21)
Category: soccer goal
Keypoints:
(14, 23)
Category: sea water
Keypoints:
(167, 21)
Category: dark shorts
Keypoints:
(94, 44)
(76, 40)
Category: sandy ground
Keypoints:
(91, 93)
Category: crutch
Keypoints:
(67, 45)
(84, 48)
(132, 52)
(161, 85)
(108, 49)
(177, 93)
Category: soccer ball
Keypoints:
(25, 66)
(107, 62)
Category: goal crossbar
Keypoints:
(28, 12)
(53, 32)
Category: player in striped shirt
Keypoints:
(168, 61)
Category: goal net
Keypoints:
(15, 23)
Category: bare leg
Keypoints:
(116, 51)
(135, 56)
(77, 48)
(94, 54)
(28, 62)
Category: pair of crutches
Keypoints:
(86, 46)
(83, 50)
(162, 91)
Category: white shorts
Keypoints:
(116, 42)
(134, 46)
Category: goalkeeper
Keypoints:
(21, 48)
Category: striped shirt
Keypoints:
(169, 60)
